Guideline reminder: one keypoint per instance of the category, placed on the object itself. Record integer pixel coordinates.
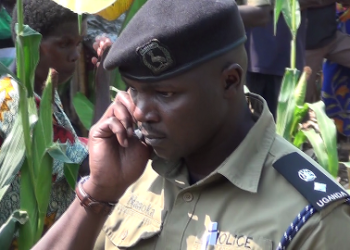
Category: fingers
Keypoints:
(101, 43)
(112, 127)
(117, 120)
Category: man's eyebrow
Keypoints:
(149, 85)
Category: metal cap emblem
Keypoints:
(155, 56)
(306, 175)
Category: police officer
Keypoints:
(219, 177)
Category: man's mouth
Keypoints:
(151, 138)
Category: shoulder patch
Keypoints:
(314, 185)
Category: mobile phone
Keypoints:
(138, 134)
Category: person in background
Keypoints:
(219, 176)
(254, 13)
(336, 84)
(58, 50)
(323, 40)
(269, 54)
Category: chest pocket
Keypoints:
(134, 224)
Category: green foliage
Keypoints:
(10, 228)
(84, 109)
(291, 14)
(286, 104)
(327, 135)
(29, 145)
(71, 171)
(292, 107)
(82, 105)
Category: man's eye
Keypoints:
(165, 94)
(64, 44)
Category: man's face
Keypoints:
(59, 50)
(180, 116)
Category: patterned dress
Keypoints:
(61, 194)
(336, 89)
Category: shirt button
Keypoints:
(188, 197)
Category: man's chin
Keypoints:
(64, 79)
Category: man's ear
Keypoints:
(232, 78)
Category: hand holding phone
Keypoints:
(117, 156)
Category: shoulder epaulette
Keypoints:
(312, 183)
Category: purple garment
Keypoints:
(270, 54)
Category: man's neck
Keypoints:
(225, 142)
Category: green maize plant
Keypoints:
(83, 106)
(292, 108)
(29, 148)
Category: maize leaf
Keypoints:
(71, 173)
(291, 13)
(42, 192)
(27, 49)
(318, 146)
(57, 150)
(300, 90)
(286, 104)
(299, 139)
(42, 140)
(28, 203)
(84, 109)
(11, 156)
(329, 136)
(299, 113)
(10, 227)
(13, 150)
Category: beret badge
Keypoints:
(155, 57)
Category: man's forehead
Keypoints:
(166, 38)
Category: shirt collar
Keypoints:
(243, 167)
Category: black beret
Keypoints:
(168, 37)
